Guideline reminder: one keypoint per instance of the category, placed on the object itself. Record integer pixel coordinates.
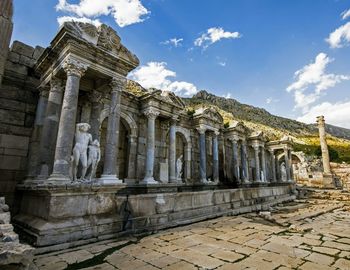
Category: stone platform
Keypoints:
(57, 217)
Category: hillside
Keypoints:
(305, 136)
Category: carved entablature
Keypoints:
(257, 138)
(209, 113)
(285, 142)
(236, 130)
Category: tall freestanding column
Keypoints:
(324, 146)
(109, 175)
(6, 26)
(172, 151)
(50, 128)
(263, 161)
(151, 115)
(215, 157)
(273, 165)
(96, 109)
(257, 163)
(244, 158)
(235, 159)
(286, 160)
(203, 156)
(66, 129)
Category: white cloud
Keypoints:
(176, 42)
(227, 96)
(62, 20)
(340, 37)
(125, 12)
(345, 14)
(336, 114)
(223, 64)
(313, 79)
(271, 100)
(156, 75)
(213, 35)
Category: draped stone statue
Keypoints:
(283, 172)
(82, 140)
(94, 157)
(179, 164)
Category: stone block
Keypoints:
(20, 70)
(4, 218)
(11, 117)
(6, 128)
(14, 142)
(12, 105)
(26, 61)
(22, 49)
(10, 162)
(15, 152)
(13, 57)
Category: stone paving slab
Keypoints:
(314, 236)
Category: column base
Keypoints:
(59, 179)
(148, 181)
(110, 179)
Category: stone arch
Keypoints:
(125, 116)
(186, 135)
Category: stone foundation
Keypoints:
(56, 217)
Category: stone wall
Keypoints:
(18, 99)
(6, 26)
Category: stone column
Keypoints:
(286, 160)
(96, 109)
(273, 165)
(34, 155)
(66, 129)
(188, 157)
(278, 170)
(244, 158)
(263, 161)
(257, 163)
(109, 175)
(50, 128)
(172, 151)
(215, 157)
(6, 26)
(324, 146)
(151, 115)
(131, 178)
(203, 156)
(235, 165)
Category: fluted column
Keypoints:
(235, 165)
(6, 26)
(244, 159)
(96, 109)
(172, 150)
(66, 129)
(273, 165)
(286, 160)
(263, 161)
(257, 163)
(215, 157)
(132, 159)
(34, 155)
(151, 115)
(203, 156)
(109, 175)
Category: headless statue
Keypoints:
(94, 157)
(82, 140)
(179, 168)
(283, 172)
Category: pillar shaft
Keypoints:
(215, 157)
(172, 151)
(286, 160)
(263, 161)
(257, 163)
(273, 166)
(111, 149)
(96, 109)
(235, 160)
(151, 115)
(244, 159)
(324, 146)
(6, 26)
(203, 156)
(50, 128)
(66, 129)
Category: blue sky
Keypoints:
(250, 54)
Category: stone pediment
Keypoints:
(166, 96)
(238, 126)
(209, 113)
(103, 37)
(257, 135)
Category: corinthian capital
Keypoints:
(151, 113)
(201, 130)
(74, 67)
(117, 84)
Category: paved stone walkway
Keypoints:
(307, 235)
